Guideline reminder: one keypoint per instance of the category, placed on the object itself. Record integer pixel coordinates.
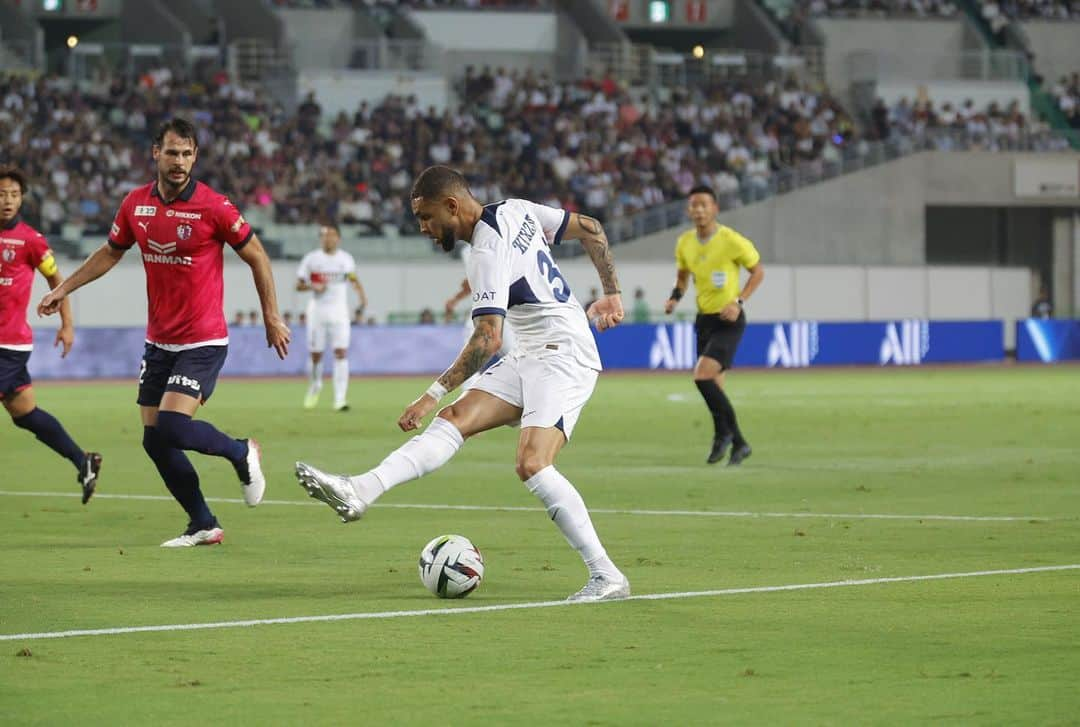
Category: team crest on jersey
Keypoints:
(8, 255)
(183, 231)
(145, 210)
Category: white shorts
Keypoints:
(550, 389)
(336, 332)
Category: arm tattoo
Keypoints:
(596, 244)
(481, 347)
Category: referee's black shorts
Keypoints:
(718, 339)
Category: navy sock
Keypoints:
(180, 477)
(50, 432)
(714, 399)
(182, 432)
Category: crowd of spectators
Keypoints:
(585, 146)
(1066, 93)
(878, 8)
(589, 146)
(592, 146)
(947, 125)
(997, 11)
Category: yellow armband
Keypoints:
(48, 266)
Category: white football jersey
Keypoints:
(335, 270)
(512, 273)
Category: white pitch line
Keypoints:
(594, 510)
(451, 611)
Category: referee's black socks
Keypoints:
(723, 413)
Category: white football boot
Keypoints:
(335, 490)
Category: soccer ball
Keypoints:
(451, 566)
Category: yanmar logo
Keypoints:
(162, 254)
(145, 210)
(7, 282)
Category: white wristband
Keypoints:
(436, 391)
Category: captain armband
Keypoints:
(48, 266)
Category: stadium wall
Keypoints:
(876, 216)
(343, 90)
(319, 38)
(1056, 45)
(922, 45)
(821, 293)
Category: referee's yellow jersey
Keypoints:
(715, 265)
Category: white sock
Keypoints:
(341, 381)
(422, 454)
(314, 372)
(567, 510)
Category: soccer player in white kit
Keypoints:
(328, 272)
(542, 385)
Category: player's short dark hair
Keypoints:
(439, 181)
(179, 126)
(702, 189)
(12, 172)
(332, 225)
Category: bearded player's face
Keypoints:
(175, 158)
(438, 220)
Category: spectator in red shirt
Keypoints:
(181, 226)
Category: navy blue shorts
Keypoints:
(14, 376)
(193, 372)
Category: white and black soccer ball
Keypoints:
(451, 566)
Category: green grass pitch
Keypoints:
(830, 449)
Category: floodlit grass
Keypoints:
(829, 448)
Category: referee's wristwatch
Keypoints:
(740, 302)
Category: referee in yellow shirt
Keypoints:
(713, 254)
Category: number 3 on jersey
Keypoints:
(551, 272)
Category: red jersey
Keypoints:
(22, 250)
(181, 244)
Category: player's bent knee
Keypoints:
(340, 353)
(150, 441)
(172, 428)
(529, 464)
(452, 414)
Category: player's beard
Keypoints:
(448, 240)
(167, 181)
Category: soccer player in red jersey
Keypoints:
(181, 226)
(22, 249)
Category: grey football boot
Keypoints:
(335, 490)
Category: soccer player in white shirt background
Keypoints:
(542, 385)
(328, 272)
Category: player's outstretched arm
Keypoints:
(66, 334)
(484, 343)
(606, 312)
(100, 262)
(451, 303)
(277, 333)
